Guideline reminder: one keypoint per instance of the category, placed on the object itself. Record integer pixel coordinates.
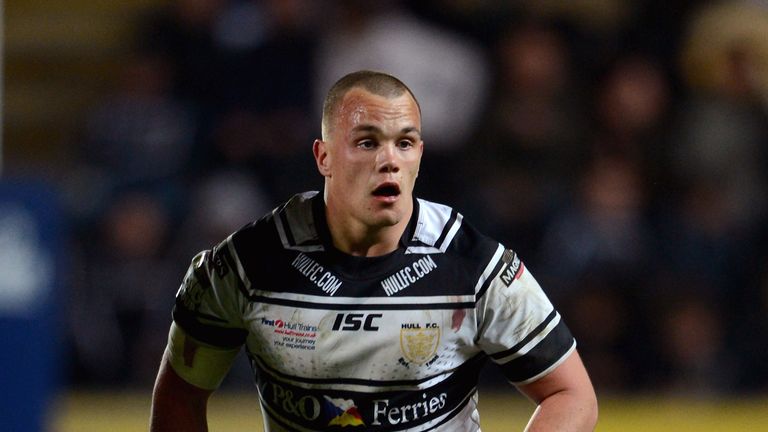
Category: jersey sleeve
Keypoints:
(518, 327)
(209, 302)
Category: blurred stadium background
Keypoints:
(620, 147)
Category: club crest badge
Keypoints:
(419, 342)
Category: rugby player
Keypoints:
(363, 307)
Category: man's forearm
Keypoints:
(177, 405)
(564, 412)
(177, 416)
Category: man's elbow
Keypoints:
(590, 409)
(585, 408)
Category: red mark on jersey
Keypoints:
(190, 348)
(457, 319)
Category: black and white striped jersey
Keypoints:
(395, 342)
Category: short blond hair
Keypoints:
(378, 83)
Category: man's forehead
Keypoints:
(362, 96)
(358, 103)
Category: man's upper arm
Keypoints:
(518, 327)
(201, 365)
(565, 398)
(207, 332)
(209, 302)
(569, 376)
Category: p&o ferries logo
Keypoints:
(345, 410)
(313, 409)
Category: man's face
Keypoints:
(371, 158)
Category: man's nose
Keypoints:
(387, 159)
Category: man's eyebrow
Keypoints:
(370, 129)
(410, 130)
(366, 128)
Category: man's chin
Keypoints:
(388, 214)
(387, 218)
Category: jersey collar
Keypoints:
(324, 233)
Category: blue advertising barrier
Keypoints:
(30, 303)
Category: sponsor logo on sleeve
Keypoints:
(513, 270)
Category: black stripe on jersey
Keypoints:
(233, 265)
(447, 229)
(360, 306)
(210, 317)
(496, 269)
(303, 406)
(218, 336)
(418, 243)
(279, 420)
(458, 409)
(535, 332)
(537, 360)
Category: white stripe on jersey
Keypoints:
(280, 228)
(362, 301)
(300, 221)
(489, 268)
(432, 221)
(240, 270)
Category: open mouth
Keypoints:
(387, 190)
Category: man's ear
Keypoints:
(322, 159)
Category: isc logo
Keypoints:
(355, 321)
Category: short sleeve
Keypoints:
(519, 327)
(209, 301)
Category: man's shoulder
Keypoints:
(290, 225)
(442, 228)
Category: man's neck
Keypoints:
(353, 237)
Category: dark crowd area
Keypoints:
(619, 147)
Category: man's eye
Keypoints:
(404, 144)
(366, 144)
